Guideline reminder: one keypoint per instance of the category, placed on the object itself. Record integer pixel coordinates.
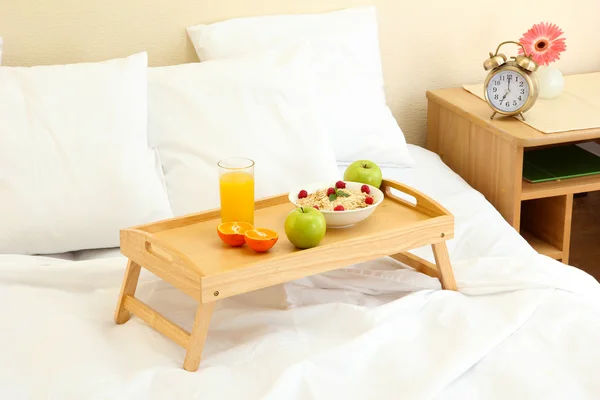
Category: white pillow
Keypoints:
(351, 79)
(75, 166)
(257, 107)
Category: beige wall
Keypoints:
(425, 44)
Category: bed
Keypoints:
(522, 326)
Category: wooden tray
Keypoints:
(187, 253)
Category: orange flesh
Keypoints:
(232, 233)
(261, 239)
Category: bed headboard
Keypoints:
(424, 45)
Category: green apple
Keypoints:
(305, 227)
(364, 171)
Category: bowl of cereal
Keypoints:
(342, 203)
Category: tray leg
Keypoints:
(442, 259)
(130, 281)
(419, 264)
(198, 336)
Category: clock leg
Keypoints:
(522, 117)
(493, 115)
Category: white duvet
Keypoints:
(523, 326)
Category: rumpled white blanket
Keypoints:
(523, 326)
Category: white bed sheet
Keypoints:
(523, 326)
(83, 255)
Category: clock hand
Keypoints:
(505, 94)
(509, 83)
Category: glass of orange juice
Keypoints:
(236, 186)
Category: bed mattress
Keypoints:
(522, 326)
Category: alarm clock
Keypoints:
(511, 86)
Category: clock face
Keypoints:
(508, 91)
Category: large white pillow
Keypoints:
(260, 107)
(351, 91)
(75, 165)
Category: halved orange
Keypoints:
(261, 239)
(232, 233)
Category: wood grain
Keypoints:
(470, 107)
(556, 188)
(323, 258)
(433, 134)
(542, 246)
(486, 162)
(424, 203)
(179, 271)
(549, 219)
(418, 264)
(198, 338)
(157, 321)
(567, 227)
(130, 281)
(200, 243)
(188, 253)
(198, 255)
(488, 154)
(442, 259)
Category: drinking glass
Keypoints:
(236, 187)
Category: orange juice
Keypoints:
(237, 197)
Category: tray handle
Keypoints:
(161, 252)
(424, 203)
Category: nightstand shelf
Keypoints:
(541, 246)
(554, 188)
(488, 154)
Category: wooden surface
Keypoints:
(488, 154)
(169, 266)
(542, 246)
(157, 321)
(556, 188)
(484, 161)
(213, 257)
(188, 253)
(477, 111)
(418, 264)
(193, 246)
(550, 219)
(198, 338)
(442, 259)
(130, 281)
(441, 270)
(327, 256)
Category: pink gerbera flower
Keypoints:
(542, 43)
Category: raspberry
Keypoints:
(365, 189)
(340, 185)
(317, 207)
(330, 191)
(338, 208)
(369, 200)
(302, 194)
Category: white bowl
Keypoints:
(341, 219)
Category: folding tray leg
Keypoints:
(442, 259)
(193, 342)
(442, 269)
(419, 264)
(198, 336)
(130, 281)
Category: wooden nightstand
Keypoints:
(488, 154)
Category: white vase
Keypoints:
(551, 82)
